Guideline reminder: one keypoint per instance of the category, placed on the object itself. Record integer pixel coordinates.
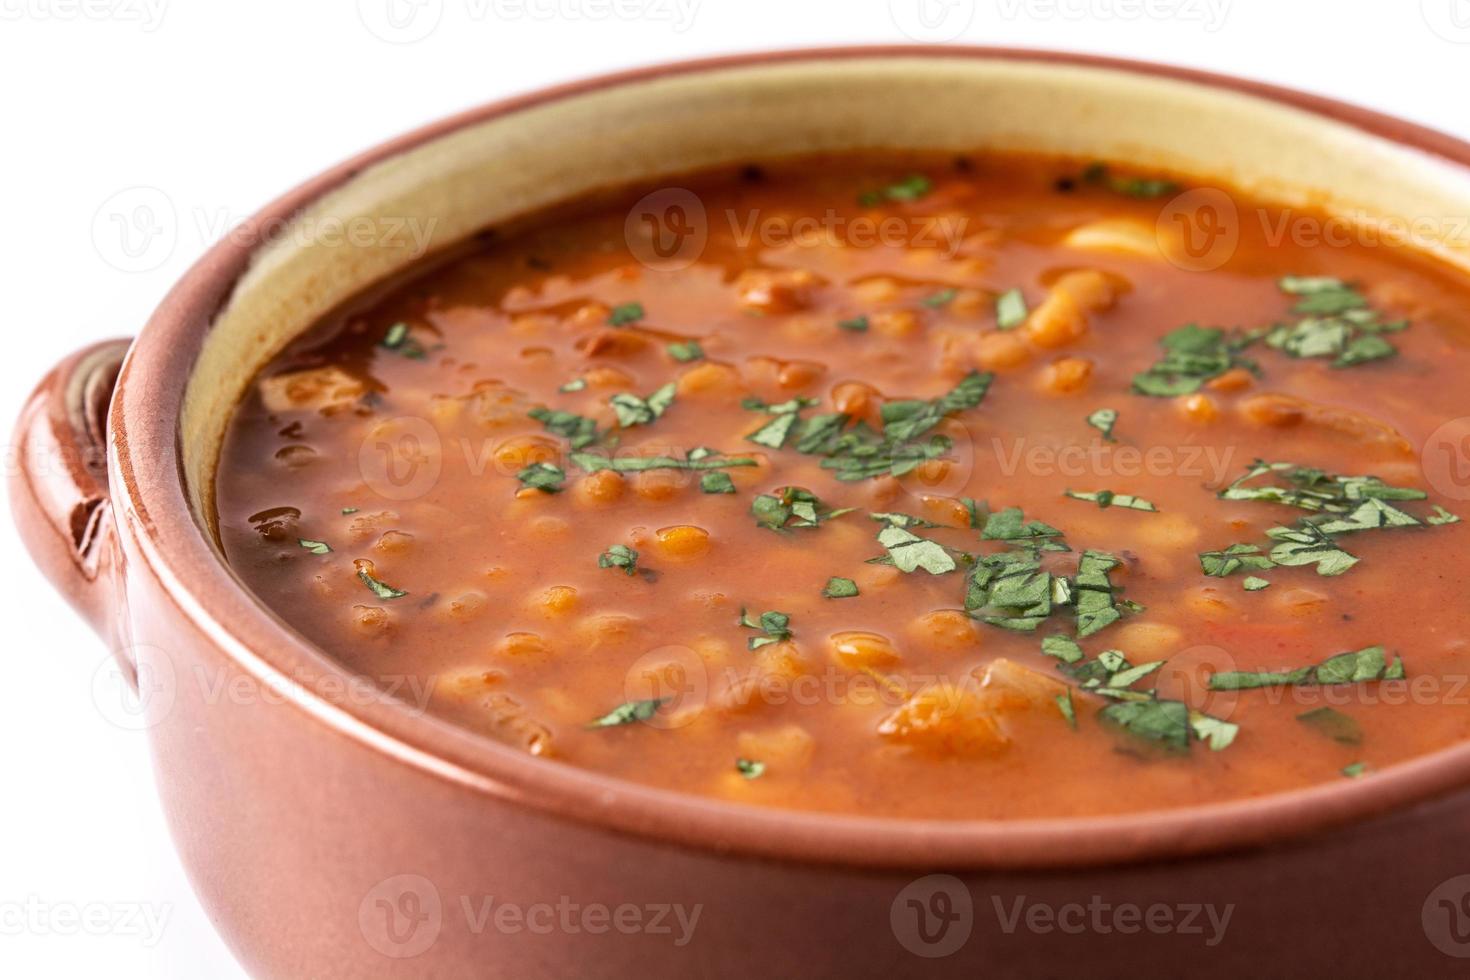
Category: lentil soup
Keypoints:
(893, 485)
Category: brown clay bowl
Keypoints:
(333, 831)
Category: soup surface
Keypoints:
(960, 488)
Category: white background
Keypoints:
(213, 108)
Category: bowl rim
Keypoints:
(151, 501)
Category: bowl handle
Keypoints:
(58, 482)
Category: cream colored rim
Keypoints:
(440, 192)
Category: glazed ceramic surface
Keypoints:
(336, 830)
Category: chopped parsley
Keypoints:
(695, 460)
(773, 627)
(1163, 722)
(619, 556)
(400, 340)
(1064, 648)
(750, 768)
(1334, 320)
(855, 452)
(1104, 420)
(1253, 583)
(716, 481)
(784, 416)
(379, 588)
(579, 430)
(1219, 564)
(910, 188)
(1192, 356)
(349, 510)
(909, 553)
(1010, 525)
(1010, 309)
(857, 324)
(624, 314)
(629, 712)
(791, 507)
(1107, 498)
(1334, 724)
(1144, 188)
(941, 298)
(1069, 712)
(546, 477)
(1353, 667)
(685, 351)
(315, 547)
(1354, 770)
(632, 410)
(840, 588)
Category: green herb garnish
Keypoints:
(941, 298)
(685, 351)
(1335, 321)
(1354, 667)
(1334, 724)
(379, 588)
(596, 463)
(1252, 583)
(1107, 498)
(840, 588)
(750, 768)
(1192, 356)
(911, 188)
(791, 507)
(1103, 420)
(546, 477)
(716, 481)
(629, 712)
(857, 324)
(624, 314)
(632, 410)
(773, 627)
(399, 340)
(315, 547)
(1010, 309)
(579, 430)
(619, 556)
